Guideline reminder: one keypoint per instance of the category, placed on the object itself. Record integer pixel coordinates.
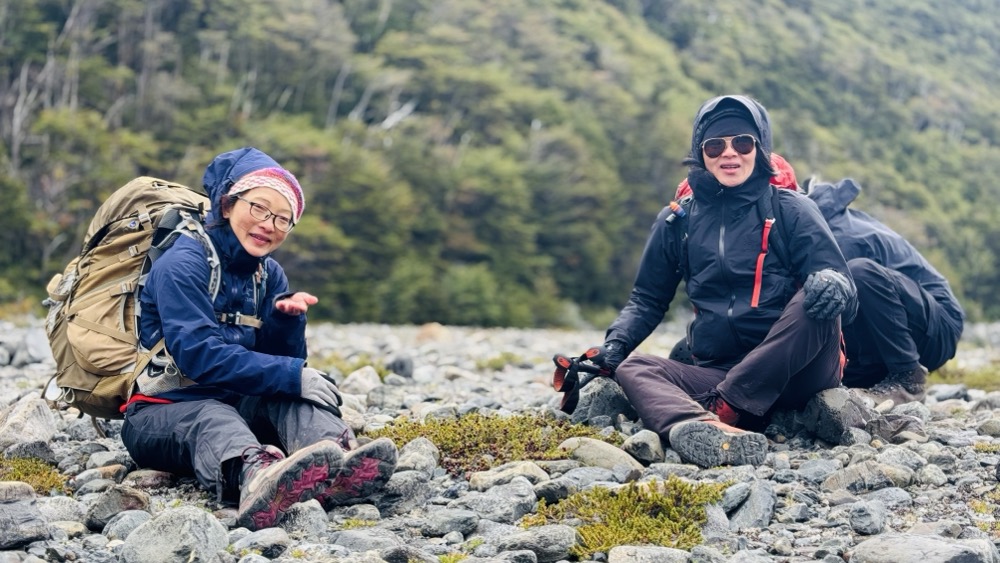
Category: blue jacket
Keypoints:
(723, 244)
(225, 360)
(862, 236)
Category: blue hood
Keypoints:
(229, 167)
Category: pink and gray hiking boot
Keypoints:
(364, 471)
(271, 482)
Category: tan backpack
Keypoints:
(92, 322)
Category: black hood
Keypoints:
(742, 104)
(833, 199)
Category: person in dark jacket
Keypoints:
(759, 341)
(232, 401)
(909, 320)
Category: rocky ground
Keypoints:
(915, 483)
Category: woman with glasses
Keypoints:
(232, 401)
(766, 332)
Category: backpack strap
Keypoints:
(769, 217)
(680, 212)
(770, 208)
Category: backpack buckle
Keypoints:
(230, 318)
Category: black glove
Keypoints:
(320, 390)
(826, 294)
(614, 355)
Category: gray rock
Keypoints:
(115, 500)
(637, 554)
(892, 548)
(602, 397)
(504, 503)
(548, 543)
(185, 532)
(269, 542)
(366, 539)
(28, 420)
(590, 451)
(124, 523)
(757, 510)
(21, 523)
(868, 518)
(446, 520)
(645, 446)
(832, 412)
(419, 455)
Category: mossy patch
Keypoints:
(986, 447)
(986, 378)
(354, 523)
(661, 513)
(475, 442)
(349, 365)
(498, 363)
(985, 511)
(42, 477)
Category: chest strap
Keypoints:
(240, 319)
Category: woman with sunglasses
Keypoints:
(765, 334)
(232, 401)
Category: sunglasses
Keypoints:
(714, 147)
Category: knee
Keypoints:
(866, 272)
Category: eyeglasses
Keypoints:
(262, 213)
(714, 147)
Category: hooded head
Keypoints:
(237, 171)
(726, 116)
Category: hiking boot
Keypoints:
(708, 443)
(720, 408)
(271, 482)
(900, 387)
(364, 471)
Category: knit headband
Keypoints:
(277, 179)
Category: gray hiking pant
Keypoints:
(205, 439)
(798, 358)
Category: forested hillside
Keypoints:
(492, 163)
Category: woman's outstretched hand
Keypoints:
(296, 303)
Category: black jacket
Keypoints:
(723, 245)
(862, 236)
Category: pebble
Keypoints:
(929, 496)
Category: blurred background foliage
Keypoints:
(492, 163)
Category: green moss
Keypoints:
(663, 513)
(980, 506)
(348, 366)
(986, 378)
(497, 363)
(352, 523)
(472, 544)
(986, 448)
(475, 442)
(42, 477)
(452, 557)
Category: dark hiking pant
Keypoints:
(798, 358)
(205, 439)
(898, 326)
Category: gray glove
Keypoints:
(320, 390)
(826, 294)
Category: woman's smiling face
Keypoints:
(258, 237)
(731, 168)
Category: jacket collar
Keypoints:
(707, 190)
(232, 254)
